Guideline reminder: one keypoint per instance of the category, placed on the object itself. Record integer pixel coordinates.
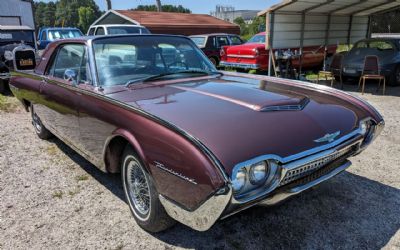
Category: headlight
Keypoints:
(367, 129)
(8, 55)
(258, 173)
(239, 181)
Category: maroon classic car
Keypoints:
(192, 144)
(253, 55)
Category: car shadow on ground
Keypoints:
(371, 87)
(349, 211)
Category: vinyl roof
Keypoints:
(334, 7)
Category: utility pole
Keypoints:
(158, 3)
(108, 3)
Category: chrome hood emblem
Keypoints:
(328, 137)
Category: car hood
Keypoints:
(240, 118)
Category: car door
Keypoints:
(60, 93)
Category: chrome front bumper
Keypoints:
(5, 76)
(240, 65)
(223, 204)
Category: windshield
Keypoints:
(374, 44)
(64, 33)
(123, 60)
(116, 30)
(257, 39)
(199, 40)
(7, 36)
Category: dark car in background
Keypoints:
(192, 144)
(211, 44)
(386, 49)
(11, 37)
(48, 35)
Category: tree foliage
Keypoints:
(386, 23)
(86, 17)
(248, 30)
(164, 7)
(66, 13)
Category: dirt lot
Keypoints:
(50, 197)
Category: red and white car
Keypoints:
(254, 55)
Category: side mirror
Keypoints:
(70, 75)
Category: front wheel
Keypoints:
(142, 195)
(3, 87)
(40, 129)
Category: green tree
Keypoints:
(165, 8)
(67, 11)
(242, 24)
(86, 18)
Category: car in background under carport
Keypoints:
(386, 49)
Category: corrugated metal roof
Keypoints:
(334, 7)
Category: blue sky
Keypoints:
(197, 6)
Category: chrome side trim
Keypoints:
(280, 196)
(241, 56)
(196, 142)
(5, 76)
(203, 217)
(239, 65)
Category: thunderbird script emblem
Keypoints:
(328, 137)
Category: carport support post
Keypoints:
(303, 23)
(328, 27)
(270, 34)
(349, 31)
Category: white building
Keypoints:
(16, 12)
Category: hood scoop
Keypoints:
(287, 107)
(257, 99)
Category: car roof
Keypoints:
(380, 39)
(93, 38)
(59, 28)
(117, 25)
(215, 34)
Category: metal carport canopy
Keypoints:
(299, 23)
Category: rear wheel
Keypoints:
(40, 129)
(214, 61)
(142, 195)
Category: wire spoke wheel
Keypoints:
(138, 187)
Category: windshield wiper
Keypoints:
(151, 78)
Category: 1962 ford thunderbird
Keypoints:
(192, 144)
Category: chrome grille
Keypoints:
(302, 171)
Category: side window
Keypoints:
(91, 32)
(44, 35)
(100, 31)
(222, 41)
(69, 59)
(236, 40)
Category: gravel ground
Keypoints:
(51, 198)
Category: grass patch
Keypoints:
(51, 150)
(58, 194)
(8, 104)
(83, 177)
(74, 192)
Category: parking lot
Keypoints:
(50, 197)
